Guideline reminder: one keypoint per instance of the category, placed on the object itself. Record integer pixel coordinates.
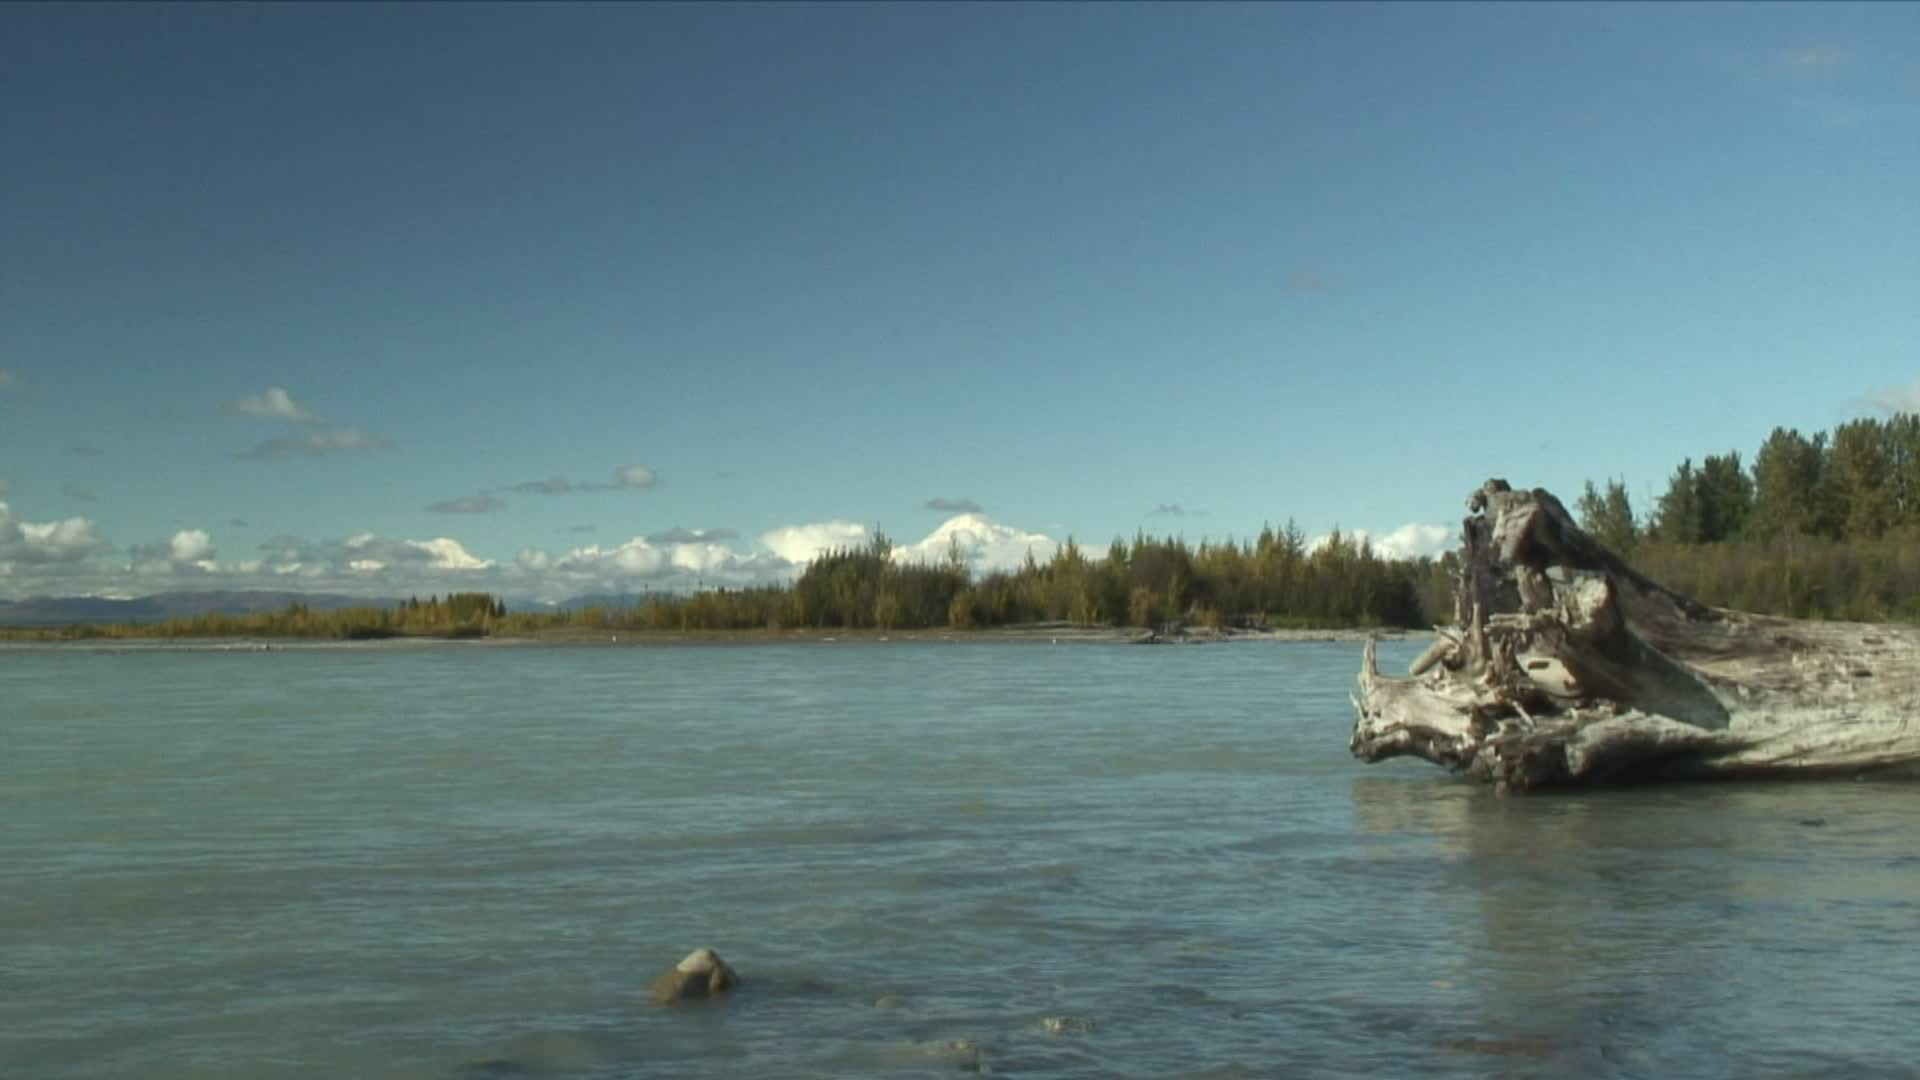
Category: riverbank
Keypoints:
(1041, 633)
(584, 637)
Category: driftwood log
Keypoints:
(1566, 667)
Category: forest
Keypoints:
(1824, 526)
(1821, 527)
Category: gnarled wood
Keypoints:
(1565, 666)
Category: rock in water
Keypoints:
(701, 976)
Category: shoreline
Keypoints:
(584, 637)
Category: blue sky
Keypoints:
(277, 280)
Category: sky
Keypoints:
(570, 298)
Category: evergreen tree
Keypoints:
(1787, 488)
(1677, 519)
(1609, 516)
(1862, 479)
(1724, 497)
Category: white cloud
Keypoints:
(191, 546)
(316, 444)
(273, 404)
(65, 541)
(1414, 540)
(983, 544)
(801, 544)
(634, 477)
(187, 551)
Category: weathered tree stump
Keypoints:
(1566, 667)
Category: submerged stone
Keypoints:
(700, 977)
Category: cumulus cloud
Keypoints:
(315, 444)
(954, 506)
(1896, 399)
(76, 492)
(67, 540)
(273, 404)
(190, 545)
(186, 552)
(678, 535)
(801, 544)
(1414, 540)
(639, 561)
(469, 504)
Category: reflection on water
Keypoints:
(449, 862)
(1765, 927)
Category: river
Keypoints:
(467, 861)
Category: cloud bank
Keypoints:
(70, 557)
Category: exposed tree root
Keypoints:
(1564, 666)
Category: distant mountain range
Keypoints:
(68, 610)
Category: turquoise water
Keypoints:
(468, 861)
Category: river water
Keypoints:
(1019, 859)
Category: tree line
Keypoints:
(1273, 581)
(458, 615)
(1820, 526)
